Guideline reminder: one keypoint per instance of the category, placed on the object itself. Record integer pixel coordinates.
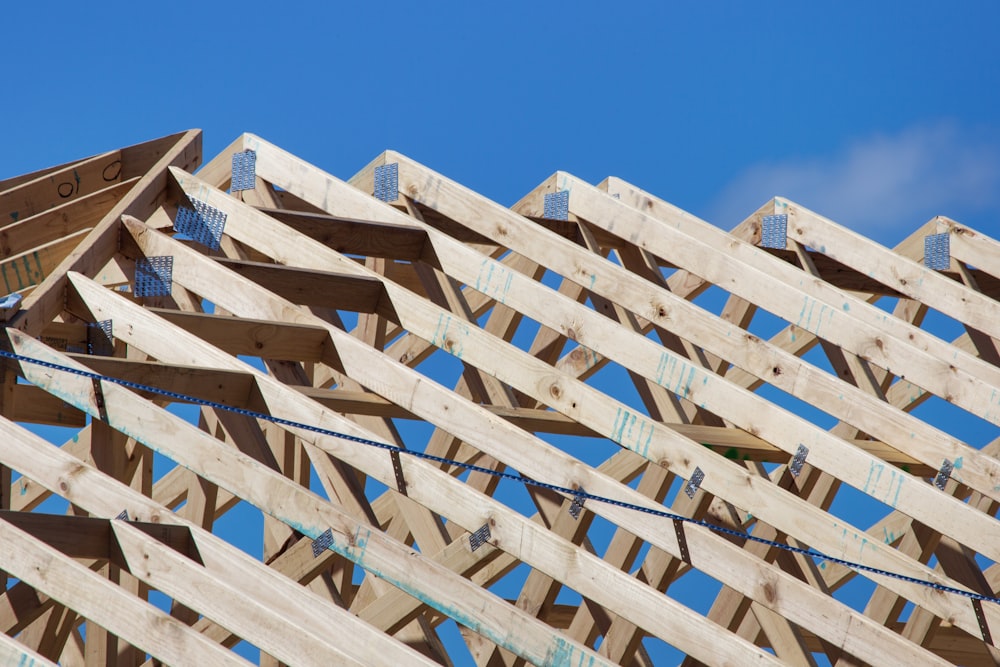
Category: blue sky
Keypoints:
(878, 115)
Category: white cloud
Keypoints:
(880, 184)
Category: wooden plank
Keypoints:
(58, 222)
(90, 537)
(210, 384)
(972, 247)
(357, 237)
(257, 338)
(34, 406)
(55, 188)
(327, 289)
(30, 268)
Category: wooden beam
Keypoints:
(307, 287)
(355, 237)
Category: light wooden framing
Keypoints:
(615, 351)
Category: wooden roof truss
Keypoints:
(581, 428)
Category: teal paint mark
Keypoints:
(959, 462)
(899, 487)
(822, 565)
(17, 274)
(593, 279)
(441, 340)
(24, 486)
(687, 385)
(494, 280)
(623, 432)
(846, 307)
(14, 216)
(77, 177)
(822, 249)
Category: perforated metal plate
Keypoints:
(322, 543)
(944, 474)
(937, 251)
(244, 171)
(10, 300)
(100, 338)
(557, 205)
(480, 537)
(577, 506)
(204, 223)
(123, 515)
(774, 231)
(387, 182)
(694, 483)
(154, 276)
(798, 460)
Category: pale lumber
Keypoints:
(29, 268)
(362, 237)
(304, 257)
(971, 247)
(55, 223)
(328, 289)
(258, 338)
(66, 184)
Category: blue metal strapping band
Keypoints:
(572, 493)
